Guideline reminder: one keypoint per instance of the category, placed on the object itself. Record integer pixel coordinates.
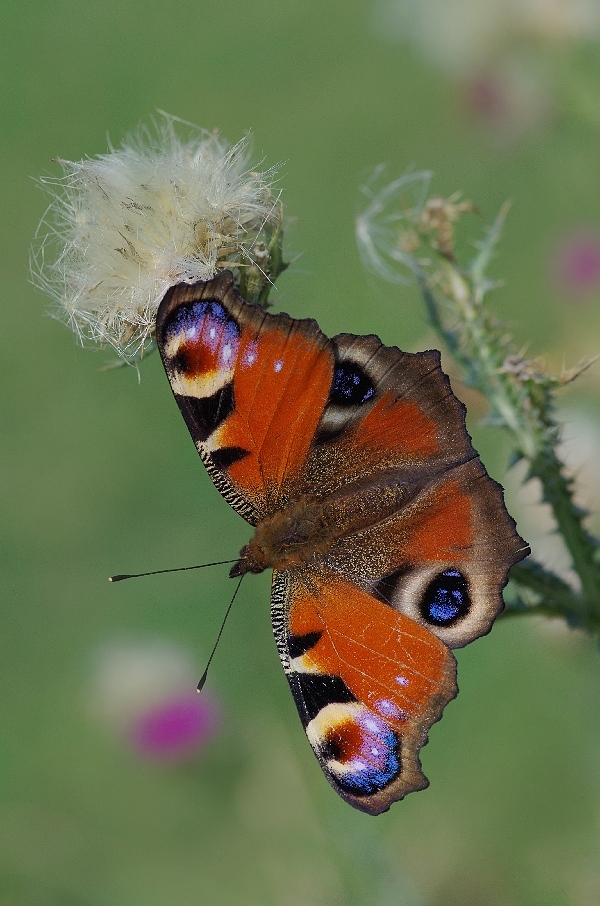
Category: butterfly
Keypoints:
(389, 543)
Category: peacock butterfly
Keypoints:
(389, 542)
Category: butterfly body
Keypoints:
(389, 542)
(305, 531)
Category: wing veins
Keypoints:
(368, 648)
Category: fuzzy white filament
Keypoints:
(391, 209)
(124, 226)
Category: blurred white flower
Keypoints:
(460, 35)
(558, 20)
(123, 227)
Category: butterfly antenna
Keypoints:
(212, 654)
(156, 572)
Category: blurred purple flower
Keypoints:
(145, 692)
(576, 262)
(176, 729)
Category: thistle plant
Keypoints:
(124, 226)
(405, 234)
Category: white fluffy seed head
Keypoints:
(124, 226)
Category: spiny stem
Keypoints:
(557, 491)
(557, 598)
(524, 403)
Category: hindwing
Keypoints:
(368, 683)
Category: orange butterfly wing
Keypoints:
(251, 387)
(368, 683)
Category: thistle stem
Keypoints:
(524, 406)
(557, 491)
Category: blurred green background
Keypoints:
(100, 476)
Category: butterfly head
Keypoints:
(252, 560)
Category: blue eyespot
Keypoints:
(350, 386)
(190, 318)
(208, 338)
(446, 599)
(361, 750)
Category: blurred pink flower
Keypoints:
(576, 262)
(176, 729)
(145, 692)
(486, 98)
(511, 99)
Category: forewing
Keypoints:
(251, 387)
(368, 683)
(387, 410)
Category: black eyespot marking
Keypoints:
(446, 599)
(226, 456)
(181, 361)
(208, 412)
(313, 691)
(331, 748)
(350, 386)
(299, 644)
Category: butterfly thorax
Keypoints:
(290, 537)
(304, 531)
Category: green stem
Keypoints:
(431, 304)
(558, 598)
(558, 493)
